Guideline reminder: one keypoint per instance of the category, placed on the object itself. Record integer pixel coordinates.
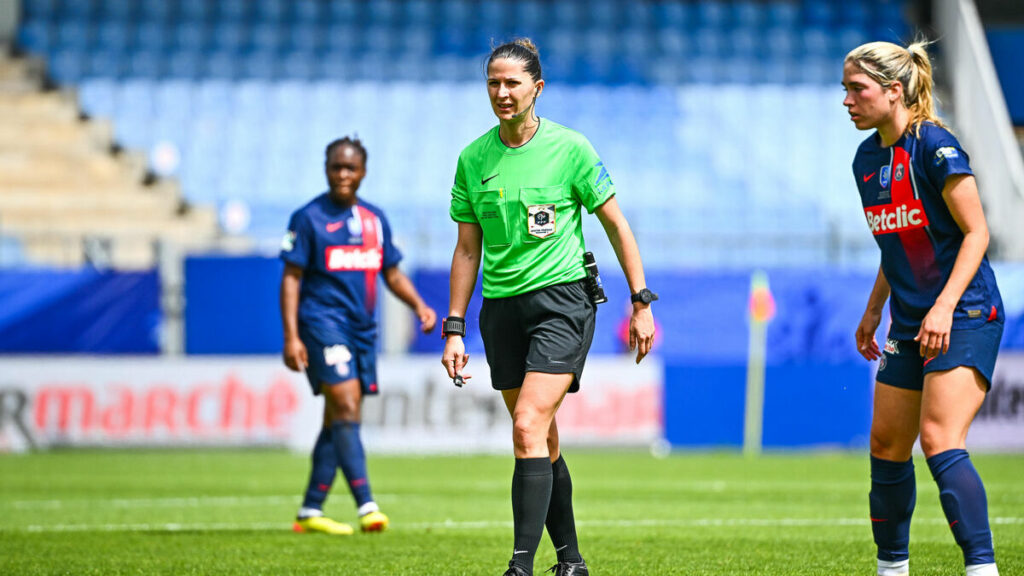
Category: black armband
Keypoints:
(453, 325)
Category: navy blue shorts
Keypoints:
(337, 361)
(903, 366)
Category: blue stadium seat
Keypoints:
(155, 11)
(110, 64)
(381, 13)
(40, 11)
(377, 41)
(303, 37)
(748, 14)
(819, 14)
(222, 65)
(194, 11)
(454, 13)
(345, 11)
(712, 14)
(67, 66)
(118, 10)
(146, 64)
(111, 36)
(235, 11)
(173, 100)
(782, 14)
(270, 11)
(419, 12)
(416, 41)
(336, 66)
(97, 97)
(73, 36)
(190, 36)
(152, 36)
(229, 36)
(36, 37)
(307, 12)
(267, 37)
(186, 64)
(341, 38)
(77, 10)
(673, 15)
(298, 65)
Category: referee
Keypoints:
(517, 197)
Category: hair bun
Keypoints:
(528, 44)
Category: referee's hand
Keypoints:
(454, 358)
(641, 330)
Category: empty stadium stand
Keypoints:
(721, 121)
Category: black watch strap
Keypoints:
(453, 325)
(644, 295)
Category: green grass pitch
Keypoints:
(230, 512)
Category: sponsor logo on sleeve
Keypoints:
(945, 152)
(603, 181)
(288, 242)
(888, 218)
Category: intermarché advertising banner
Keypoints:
(73, 401)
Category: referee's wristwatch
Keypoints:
(644, 296)
(453, 325)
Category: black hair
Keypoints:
(354, 142)
(521, 50)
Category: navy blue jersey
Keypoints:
(901, 190)
(341, 252)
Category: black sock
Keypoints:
(560, 521)
(531, 493)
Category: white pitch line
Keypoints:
(473, 525)
(196, 502)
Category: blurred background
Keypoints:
(151, 153)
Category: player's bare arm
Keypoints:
(402, 287)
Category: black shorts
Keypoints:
(548, 330)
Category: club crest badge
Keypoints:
(897, 174)
(540, 220)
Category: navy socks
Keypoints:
(892, 498)
(531, 494)
(560, 522)
(348, 448)
(325, 468)
(963, 500)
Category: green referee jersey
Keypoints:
(527, 201)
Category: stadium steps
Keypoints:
(71, 196)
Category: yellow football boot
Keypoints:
(374, 521)
(323, 525)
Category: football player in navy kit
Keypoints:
(922, 205)
(335, 248)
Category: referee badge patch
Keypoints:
(540, 219)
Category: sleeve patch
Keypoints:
(288, 242)
(945, 152)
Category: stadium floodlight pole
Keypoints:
(761, 311)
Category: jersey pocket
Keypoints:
(544, 213)
(489, 206)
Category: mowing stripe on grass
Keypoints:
(470, 525)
